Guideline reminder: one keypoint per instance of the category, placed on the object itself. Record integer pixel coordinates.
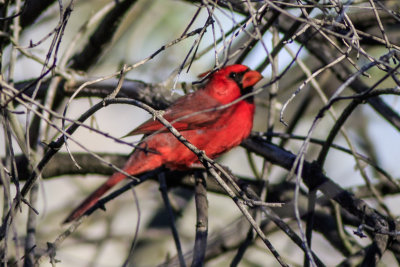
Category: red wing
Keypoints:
(185, 114)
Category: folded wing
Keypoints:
(190, 112)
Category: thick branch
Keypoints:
(101, 37)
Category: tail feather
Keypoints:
(139, 162)
(91, 200)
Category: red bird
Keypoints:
(214, 131)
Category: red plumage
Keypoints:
(198, 118)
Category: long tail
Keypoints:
(139, 162)
(91, 200)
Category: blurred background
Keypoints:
(307, 52)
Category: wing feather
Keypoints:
(185, 114)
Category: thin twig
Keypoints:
(171, 217)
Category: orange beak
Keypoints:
(250, 78)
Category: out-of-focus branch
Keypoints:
(32, 11)
(152, 94)
(101, 37)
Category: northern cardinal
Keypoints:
(214, 131)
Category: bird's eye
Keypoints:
(233, 75)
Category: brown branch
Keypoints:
(152, 94)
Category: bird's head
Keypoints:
(232, 82)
